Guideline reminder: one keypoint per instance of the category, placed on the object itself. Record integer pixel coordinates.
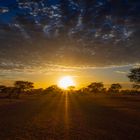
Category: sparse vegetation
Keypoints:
(26, 87)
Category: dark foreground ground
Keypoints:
(70, 117)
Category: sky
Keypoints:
(91, 40)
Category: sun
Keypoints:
(66, 82)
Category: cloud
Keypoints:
(3, 10)
(70, 34)
(2, 75)
(50, 68)
(121, 72)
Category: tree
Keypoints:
(11, 92)
(115, 88)
(23, 86)
(96, 87)
(134, 76)
(71, 88)
(2, 88)
(7, 91)
(53, 89)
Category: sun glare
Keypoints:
(66, 82)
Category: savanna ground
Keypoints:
(70, 117)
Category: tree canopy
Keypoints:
(134, 76)
(23, 85)
(96, 87)
(115, 87)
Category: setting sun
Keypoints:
(65, 82)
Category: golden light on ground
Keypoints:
(66, 82)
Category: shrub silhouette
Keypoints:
(2, 88)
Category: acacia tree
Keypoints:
(96, 87)
(134, 76)
(23, 86)
(115, 88)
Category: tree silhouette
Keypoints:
(134, 76)
(96, 87)
(53, 89)
(115, 88)
(22, 86)
(8, 91)
(2, 88)
(71, 88)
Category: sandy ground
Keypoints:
(70, 117)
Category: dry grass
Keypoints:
(70, 117)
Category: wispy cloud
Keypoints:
(50, 67)
(121, 72)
